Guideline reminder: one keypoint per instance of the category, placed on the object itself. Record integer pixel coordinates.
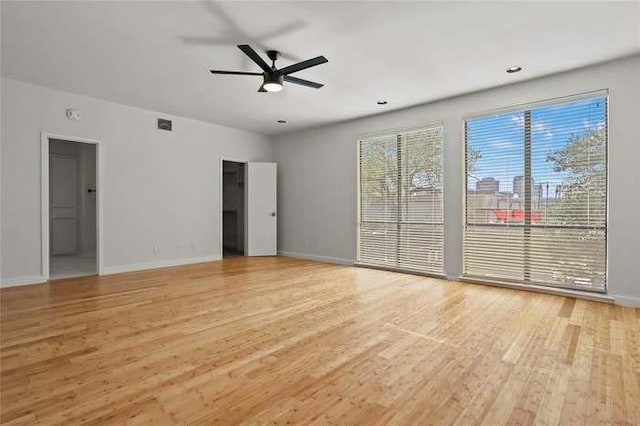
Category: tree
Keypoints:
(424, 153)
(583, 193)
(473, 155)
(378, 166)
(420, 162)
(582, 205)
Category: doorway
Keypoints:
(73, 204)
(233, 208)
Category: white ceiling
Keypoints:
(156, 55)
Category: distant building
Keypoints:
(487, 185)
(536, 196)
(518, 186)
(487, 204)
(518, 189)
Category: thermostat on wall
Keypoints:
(73, 114)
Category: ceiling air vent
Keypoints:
(164, 124)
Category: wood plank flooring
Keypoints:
(286, 341)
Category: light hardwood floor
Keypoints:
(261, 340)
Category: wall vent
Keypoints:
(164, 124)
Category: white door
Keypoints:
(63, 199)
(260, 206)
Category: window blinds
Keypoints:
(536, 195)
(400, 217)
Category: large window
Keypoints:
(536, 195)
(400, 220)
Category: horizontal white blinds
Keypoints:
(536, 196)
(400, 217)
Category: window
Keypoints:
(536, 195)
(400, 218)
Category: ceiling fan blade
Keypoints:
(303, 65)
(234, 72)
(302, 82)
(262, 89)
(255, 57)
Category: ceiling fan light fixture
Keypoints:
(273, 83)
(272, 87)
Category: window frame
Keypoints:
(396, 131)
(528, 106)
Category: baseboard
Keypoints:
(328, 259)
(556, 291)
(15, 282)
(119, 269)
(632, 302)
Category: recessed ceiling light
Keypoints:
(282, 121)
(382, 102)
(511, 70)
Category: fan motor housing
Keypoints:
(273, 77)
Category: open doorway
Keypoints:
(72, 209)
(233, 208)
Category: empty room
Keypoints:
(320, 212)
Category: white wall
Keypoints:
(160, 187)
(317, 170)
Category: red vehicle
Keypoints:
(505, 216)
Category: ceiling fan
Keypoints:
(274, 77)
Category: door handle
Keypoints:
(273, 214)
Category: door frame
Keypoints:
(44, 200)
(221, 201)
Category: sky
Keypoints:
(500, 140)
